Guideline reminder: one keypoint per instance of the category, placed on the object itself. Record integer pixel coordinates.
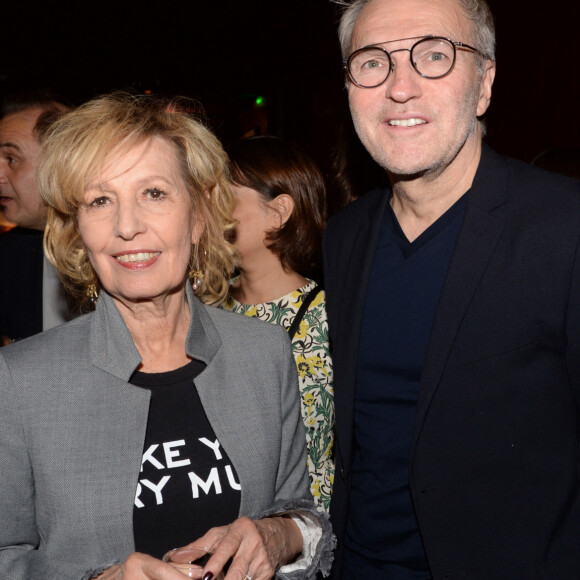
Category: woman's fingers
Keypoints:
(250, 556)
(239, 544)
(209, 541)
(255, 549)
(141, 567)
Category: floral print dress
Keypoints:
(311, 352)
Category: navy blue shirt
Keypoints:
(382, 539)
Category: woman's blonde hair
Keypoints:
(74, 152)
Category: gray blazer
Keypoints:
(72, 432)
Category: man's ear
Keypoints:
(283, 205)
(485, 87)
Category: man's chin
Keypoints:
(410, 176)
(412, 167)
(405, 171)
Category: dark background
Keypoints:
(227, 53)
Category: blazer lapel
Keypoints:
(233, 425)
(125, 407)
(358, 269)
(356, 272)
(483, 225)
(235, 429)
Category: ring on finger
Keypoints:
(247, 577)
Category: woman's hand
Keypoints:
(257, 548)
(141, 567)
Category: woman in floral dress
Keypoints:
(280, 212)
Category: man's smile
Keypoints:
(406, 122)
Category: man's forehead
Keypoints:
(17, 129)
(387, 20)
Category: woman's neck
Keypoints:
(159, 330)
(265, 283)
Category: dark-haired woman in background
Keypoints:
(280, 211)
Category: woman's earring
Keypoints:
(196, 276)
(197, 279)
(92, 294)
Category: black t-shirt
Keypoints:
(187, 483)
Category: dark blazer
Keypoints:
(21, 260)
(495, 467)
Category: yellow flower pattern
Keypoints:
(314, 365)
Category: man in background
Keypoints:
(454, 312)
(31, 296)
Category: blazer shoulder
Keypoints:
(527, 179)
(234, 327)
(542, 177)
(544, 194)
(53, 344)
(359, 210)
(532, 194)
(21, 249)
(48, 368)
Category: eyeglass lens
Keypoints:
(431, 58)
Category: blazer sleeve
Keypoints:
(20, 558)
(292, 488)
(292, 478)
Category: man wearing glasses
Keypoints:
(454, 310)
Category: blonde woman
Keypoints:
(140, 426)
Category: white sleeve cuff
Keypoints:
(311, 533)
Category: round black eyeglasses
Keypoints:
(432, 57)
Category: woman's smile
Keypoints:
(137, 260)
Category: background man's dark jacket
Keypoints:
(21, 260)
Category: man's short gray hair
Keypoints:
(476, 10)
